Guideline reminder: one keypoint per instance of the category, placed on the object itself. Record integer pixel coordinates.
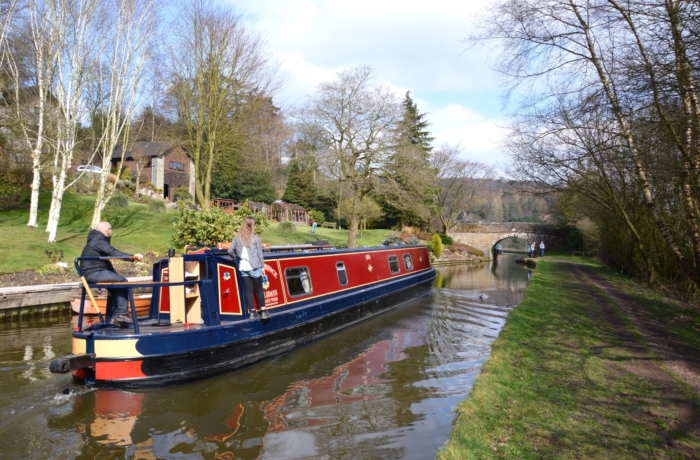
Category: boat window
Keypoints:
(342, 274)
(394, 264)
(298, 281)
(407, 262)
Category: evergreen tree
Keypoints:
(292, 190)
(414, 126)
(256, 185)
(301, 186)
(405, 197)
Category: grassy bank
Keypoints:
(135, 230)
(564, 382)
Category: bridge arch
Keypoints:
(485, 236)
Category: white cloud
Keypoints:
(411, 44)
(479, 137)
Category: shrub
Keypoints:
(128, 184)
(118, 200)
(286, 227)
(436, 245)
(318, 216)
(156, 206)
(84, 185)
(213, 226)
(424, 236)
(182, 193)
(126, 174)
(157, 190)
(445, 239)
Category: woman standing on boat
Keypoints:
(247, 248)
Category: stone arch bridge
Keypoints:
(485, 236)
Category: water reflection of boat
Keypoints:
(304, 401)
(198, 323)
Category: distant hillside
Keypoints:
(501, 201)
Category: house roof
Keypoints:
(149, 149)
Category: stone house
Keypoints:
(164, 166)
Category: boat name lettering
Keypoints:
(270, 270)
(271, 297)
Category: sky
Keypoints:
(411, 45)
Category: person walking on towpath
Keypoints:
(98, 271)
(313, 226)
(530, 249)
(542, 249)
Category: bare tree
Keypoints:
(353, 119)
(29, 59)
(74, 26)
(219, 69)
(132, 26)
(458, 183)
(638, 62)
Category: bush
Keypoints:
(445, 239)
(318, 216)
(213, 226)
(182, 193)
(128, 184)
(436, 245)
(424, 236)
(156, 206)
(126, 174)
(84, 185)
(118, 200)
(286, 227)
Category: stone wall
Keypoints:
(485, 236)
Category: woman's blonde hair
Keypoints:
(247, 231)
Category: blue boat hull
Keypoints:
(205, 352)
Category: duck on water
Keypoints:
(198, 323)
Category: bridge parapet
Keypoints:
(485, 236)
(509, 227)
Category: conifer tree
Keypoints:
(405, 197)
(292, 190)
(414, 126)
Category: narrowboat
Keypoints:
(142, 302)
(198, 323)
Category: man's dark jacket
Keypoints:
(98, 245)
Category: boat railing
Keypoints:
(110, 285)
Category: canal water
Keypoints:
(386, 388)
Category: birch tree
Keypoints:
(129, 44)
(77, 44)
(30, 111)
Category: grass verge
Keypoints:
(557, 385)
(136, 230)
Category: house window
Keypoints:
(407, 262)
(298, 281)
(342, 273)
(177, 166)
(394, 264)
